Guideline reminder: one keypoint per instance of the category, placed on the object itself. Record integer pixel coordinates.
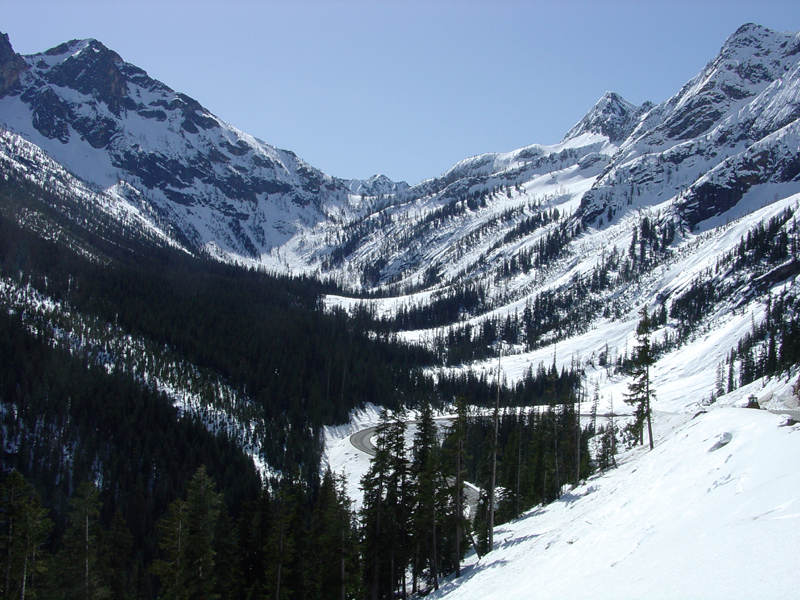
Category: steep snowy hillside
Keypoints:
(555, 250)
(710, 513)
(535, 248)
(729, 136)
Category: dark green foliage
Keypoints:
(24, 528)
(333, 561)
(137, 444)
(80, 560)
(265, 336)
(640, 393)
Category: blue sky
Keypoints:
(405, 88)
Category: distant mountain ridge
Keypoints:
(729, 132)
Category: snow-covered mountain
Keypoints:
(209, 184)
(731, 128)
(558, 244)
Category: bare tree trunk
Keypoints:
(647, 407)
(613, 436)
(375, 553)
(86, 555)
(6, 590)
(578, 441)
(459, 510)
(280, 563)
(24, 573)
(494, 459)
(434, 569)
(519, 466)
(414, 569)
(343, 565)
(555, 446)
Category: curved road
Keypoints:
(362, 440)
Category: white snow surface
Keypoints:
(683, 521)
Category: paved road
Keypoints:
(362, 440)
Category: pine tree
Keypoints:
(332, 562)
(171, 568)
(640, 392)
(284, 546)
(425, 470)
(187, 567)
(457, 443)
(80, 558)
(24, 529)
(118, 544)
(373, 514)
(253, 528)
(398, 499)
(203, 505)
(227, 565)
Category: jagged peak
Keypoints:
(376, 185)
(75, 48)
(612, 116)
(11, 65)
(748, 34)
(752, 41)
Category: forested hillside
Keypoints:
(127, 365)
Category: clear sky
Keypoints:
(402, 87)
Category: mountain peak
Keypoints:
(76, 48)
(376, 185)
(753, 42)
(612, 116)
(11, 65)
(90, 68)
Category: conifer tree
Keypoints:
(283, 549)
(24, 529)
(118, 544)
(203, 506)
(640, 392)
(425, 470)
(398, 499)
(171, 567)
(80, 558)
(373, 513)
(457, 442)
(187, 568)
(253, 526)
(332, 562)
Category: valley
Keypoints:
(159, 265)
